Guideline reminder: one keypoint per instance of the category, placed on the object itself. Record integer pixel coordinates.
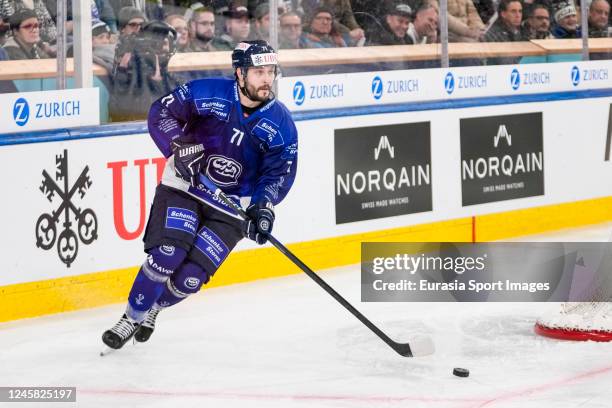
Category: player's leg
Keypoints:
(218, 235)
(169, 235)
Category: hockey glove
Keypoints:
(188, 159)
(259, 224)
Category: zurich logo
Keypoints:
(299, 93)
(21, 112)
(575, 75)
(515, 79)
(449, 83)
(377, 87)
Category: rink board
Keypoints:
(114, 178)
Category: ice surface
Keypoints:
(286, 343)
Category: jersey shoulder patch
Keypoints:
(212, 96)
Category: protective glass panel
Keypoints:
(28, 31)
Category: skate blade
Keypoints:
(107, 350)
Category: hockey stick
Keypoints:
(419, 347)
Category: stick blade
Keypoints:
(418, 346)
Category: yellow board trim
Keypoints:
(102, 288)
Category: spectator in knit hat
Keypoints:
(320, 31)
(566, 20)
(130, 20)
(103, 49)
(24, 44)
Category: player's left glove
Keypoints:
(188, 159)
(259, 224)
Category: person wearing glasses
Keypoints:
(320, 31)
(24, 44)
(130, 20)
(202, 28)
(290, 30)
(537, 24)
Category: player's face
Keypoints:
(259, 82)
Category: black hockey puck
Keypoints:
(461, 372)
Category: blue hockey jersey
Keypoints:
(251, 158)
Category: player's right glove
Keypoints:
(188, 159)
(259, 224)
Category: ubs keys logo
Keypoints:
(299, 93)
(377, 87)
(86, 220)
(575, 75)
(449, 83)
(21, 112)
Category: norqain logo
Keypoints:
(392, 178)
(382, 171)
(502, 133)
(86, 220)
(383, 144)
(508, 165)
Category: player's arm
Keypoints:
(168, 116)
(277, 175)
(167, 119)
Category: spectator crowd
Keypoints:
(135, 39)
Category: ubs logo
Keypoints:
(86, 220)
(299, 93)
(21, 112)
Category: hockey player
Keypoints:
(236, 133)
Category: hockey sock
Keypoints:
(150, 281)
(187, 280)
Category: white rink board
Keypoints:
(422, 85)
(574, 143)
(29, 111)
